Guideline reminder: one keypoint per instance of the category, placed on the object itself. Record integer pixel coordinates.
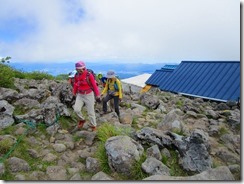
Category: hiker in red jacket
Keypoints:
(86, 90)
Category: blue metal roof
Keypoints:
(158, 76)
(217, 80)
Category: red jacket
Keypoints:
(82, 85)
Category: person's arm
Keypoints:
(105, 89)
(94, 86)
(120, 89)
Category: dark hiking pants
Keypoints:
(116, 103)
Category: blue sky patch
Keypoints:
(16, 28)
(73, 11)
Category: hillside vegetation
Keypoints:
(8, 73)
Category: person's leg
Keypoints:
(105, 100)
(77, 108)
(89, 100)
(111, 103)
(116, 105)
(78, 105)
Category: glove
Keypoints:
(98, 100)
(102, 97)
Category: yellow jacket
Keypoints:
(109, 87)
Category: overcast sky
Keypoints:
(148, 31)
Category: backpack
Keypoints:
(90, 72)
(116, 87)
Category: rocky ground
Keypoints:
(171, 137)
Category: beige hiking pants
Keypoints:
(89, 101)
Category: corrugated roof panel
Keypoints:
(225, 79)
(232, 82)
(209, 79)
(216, 84)
(165, 84)
(236, 93)
(158, 76)
(202, 69)
(185, 84)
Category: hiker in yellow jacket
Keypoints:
(113, 90)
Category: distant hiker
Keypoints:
(113, 90)
(84, 88)
(71, 76)
(102, 79)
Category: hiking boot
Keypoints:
(81, 123)
(94, 128)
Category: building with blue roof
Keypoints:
(214, 80)
(160, 75)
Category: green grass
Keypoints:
(164, 159)
(5, 146)
(173, 164)
(76, 138)
(21, 152)
(107, 130)
(144, 113)
(222, 131)
(8, 130)
(104, 132)
(135, 122)
(136, 172)
(41, 127)
(6, 76)
(8, 73)
(103, 158)
(7, 175)
(44, 164)
(19, 110)
(65, 122)
(179, 104)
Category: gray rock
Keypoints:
(33, 153)
(172, 121)
(101, 176)
(153, 166)
(56, 173)
(17, 165)
(150, 101)
(154, 136)
(8, 94)
(20, 177)
(92, 165)
(49, 157)
(37, 175)
(76, 177)
(221, 173)
(59, 147)
(154, 152)
(122, 151)
(228, 157)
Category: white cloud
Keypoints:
(125, 30)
